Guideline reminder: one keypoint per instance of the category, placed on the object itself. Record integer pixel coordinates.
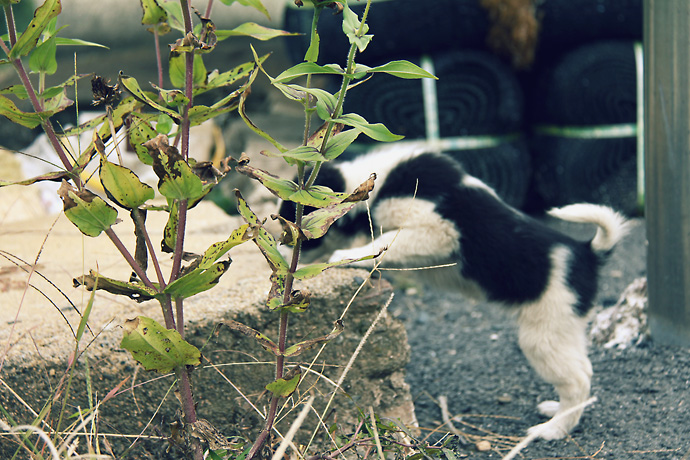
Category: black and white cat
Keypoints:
(427, 211)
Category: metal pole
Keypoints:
(667, 163)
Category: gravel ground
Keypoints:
(469, 354)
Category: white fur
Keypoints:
(412, 234)
(611, 226)
(381, 161)
(552, 337)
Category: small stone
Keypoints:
(504, 399)
(483, 446)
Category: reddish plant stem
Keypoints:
(11, 28)
(128, 257)
(159, 60)
(183, 374)
(166, 306)
(179, 310)
(149, 245)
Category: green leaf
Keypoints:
(56, 176)
(196, 281)
(157, 348)
(301, 153)
(284, 386)
(316, 196)
(27, 119)
(77, 42)
(282, 188)
(251, 29)
(351, 28)
(87, 211)
(140, 131)
(123, 186)
(339, 143)
(177, 70)
(310, 271)
(41, 20)
(312, 54)
(201, 113)
(131, 85)
(325, 101)
(42, 58)
(264, 240)
(217, 80)
(170, 229)
(153, 13)
(217, 250)
(316, 223)
(174, 12)
(256, 4)
(402, 69)
(376, 131)
(164, 125)
(307, 68)
(134, 290)
(83, 322)
(58, 100)
(177, 181)
(172, 97)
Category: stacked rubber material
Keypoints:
(566, 24)
(477, 94)
(584, 114)
(413, 27)
(584, 77)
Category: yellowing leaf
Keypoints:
(157, 348)
(123, 186)
(87, 211)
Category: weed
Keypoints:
(157, 124)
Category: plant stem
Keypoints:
(159, 60)
(183, 374)
(149, 245)
(128, 257)
(11, 27)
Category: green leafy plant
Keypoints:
(157, 122)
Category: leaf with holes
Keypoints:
(134, 290)
(157, 348)
(264, 240)
(43, 15)
(217, 250)
(196, 281)
(177, 179)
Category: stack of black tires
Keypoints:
(561, 132)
